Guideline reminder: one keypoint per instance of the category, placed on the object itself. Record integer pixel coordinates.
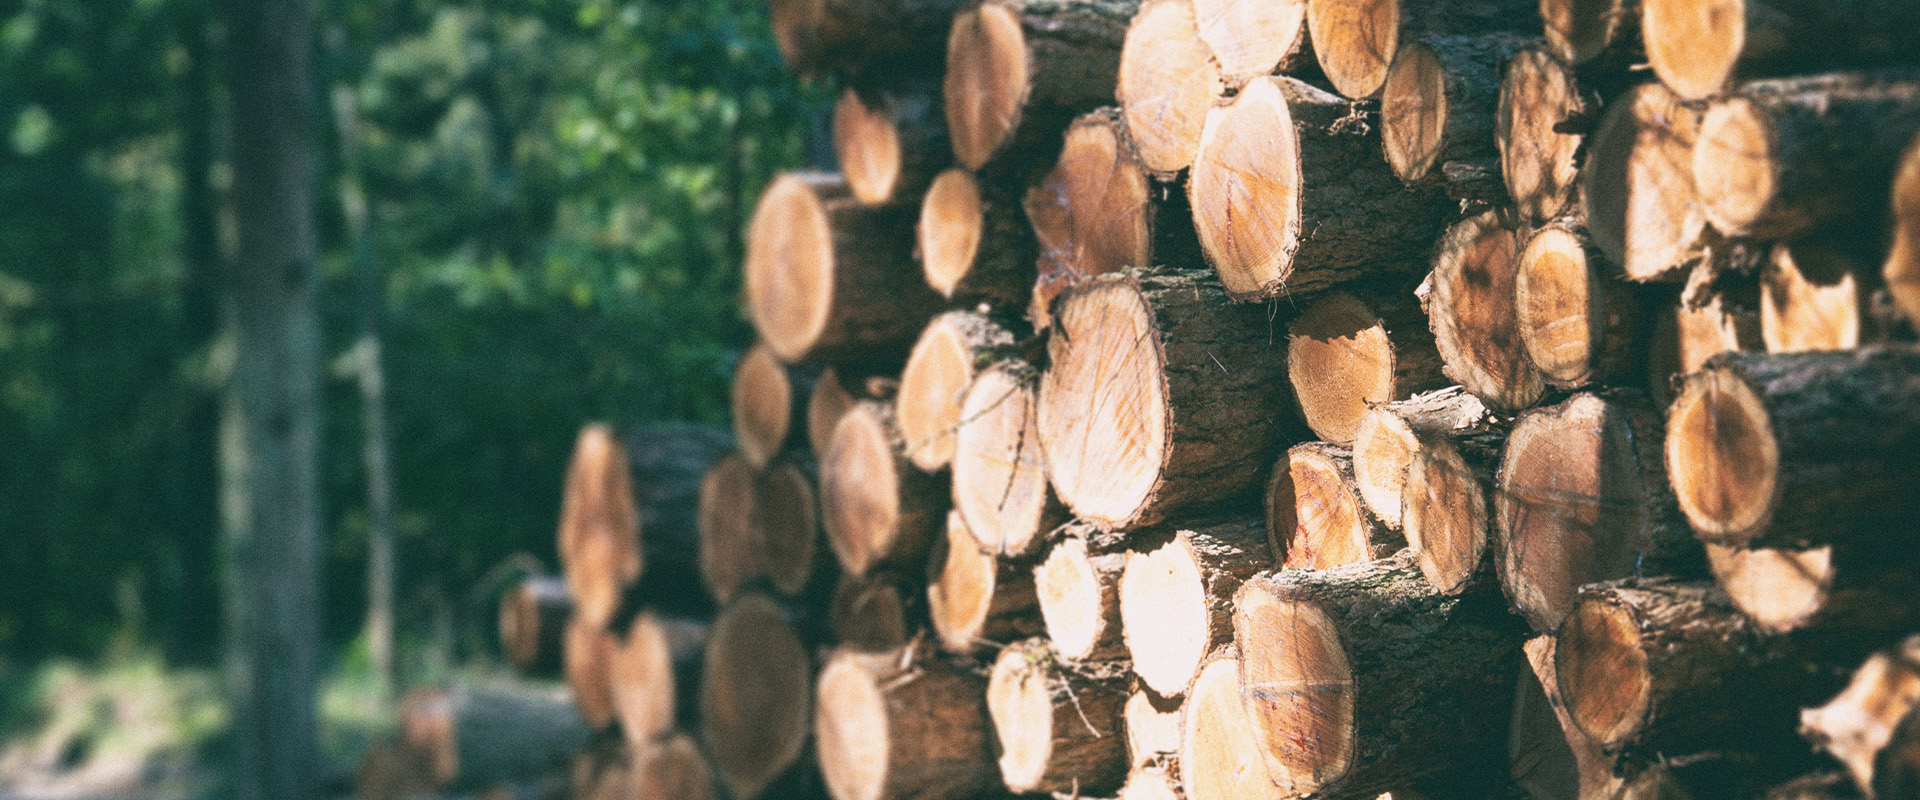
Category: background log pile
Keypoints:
(1296, 399)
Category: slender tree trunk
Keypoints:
(270, 431)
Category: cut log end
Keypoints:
(1475, 324)
(1314, 515)
(786, 526)
(972, 601)
(1560, 317)
(1245, 190)
(599, 525)
(1091, 213)
(643, 681)
(1104, 459)
(1340, 362)
(1638, 188)
(1536, 158)
(1079, 598)
(1735, 168)
(1810, 299)
(587, 657)
(938, 370)
(533, 618)
(1020, 700)
(867, 615)
(852, 730)
(1164, 616)
(789, 267)
(951, 224)
(672, 769)
(762, 405)
(1299, 681)
(1167, 81)
(892, 727)
(1722, 457)
(1902, 268)
(754, 695)
(830, 401)
(860, 489)
(1602, 669)
(1693, 45)
(1413, 112)
(999, 475)
(986, 81)
(1219, 757)
(868, 146)
(1780, 590)
(1446, 516)
(1860, 722)
(1249, 40)
(727, 556)
(1355, 40)
(1058, 730)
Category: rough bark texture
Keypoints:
(1348, 351)
(1018, 70)
(667, 464)
(1290, 195)
(878, 509)
(975, 245)
(1059, 727)
(899, 724)
(533, 621)
(1537, 151)
(475, 736)
(1392, 682)
(1316, 518)
(890, 141)
(1390, 433)
(1796, 450)
(1438, 103)
(1697, 48)
(1469, 300)
(1160, 397)
(1859, 722)
(1078, 585)
(819, 37)
(823, 276)
(1637, 185)
(1579, 322)
(1167, 82)
(1176, 597)
(976, 600)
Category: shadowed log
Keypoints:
(818, 37)
(1549, 758)
(728, 559)
(1697, 47)
(1902, 268)
(1579, 322)
(533, 621)
(1439, 100)
(786, 528)
(754, 693)
(1316, 518)
(1637, 189)
(975, 242)
(1859, 722)
(1537, 152)
(1389, 435)
(976, 600)
(889, 142)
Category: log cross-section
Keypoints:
(878, 509)
(1175, 598)
(944, 360)
(1017, 70)
(1078, 585)
(1167, 83)
(1058, 726)
(897, 725)
(754, 695)
(999, 474)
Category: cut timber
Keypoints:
(786, 527)
(727, 556)
(1902, 269)
(1447, 519)
(975, 243)
(1684, 337)
(1816, 296)
(754, 689)
(1219, 757)
(587, 660)
(1290, 195)
(823, 272)
(603, 770)
(868, 613)
(533, 619)
(1858, 722)
(1579, 31)
(1796, 450)
(1388, 436)
(1315, 516)
(652, 674)
(878, 508)
(475, 736)
(942, 363)
(898, 725)
(1697, 47)
(1167, 83)
(1537, 152)
(672, 769)
(1663, 666)
(1843, 598)
(1347, 352)
(819, 37)
(1058, 726)
(599, 525)
(1362, 678)
(999, 474)
(1469, 299)
(1579, 323)
(1437, 104)
(766, 406)
(1783, 158)
(1253, 39)
(825, 405)
(1153, 728)
(1160, 396)
(668, 464)
(1174, 597)
(975, 600)
(1547, 756)
(1356, 40)
(1581, 497)
(1637, 189)
(1017, 70)
(1150, 783)
(889, 143)
(1079, 593)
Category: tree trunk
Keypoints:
(1582, 497)
(1058, 726)
(1579, 323)
(270, 415)
(1175, 597)
(727, 559)
(1153, 729)
(1018, 70)
(786, 529)
(767, 398)
(1469, 299)
(1167, 82)
(819, 37)
(1160, 397)
(672, 768)
(587, 660)
(1356, 40)
(533, 617)
(870, 613)
(898, 724)
(1537, 149)
(1859, 722)
(1438, 101)
(1290, 196)
(823, 277)
(1220, 755)
(1637, 187)
(1389, 435)
(1697, 48)
(890, 142)
(1548, 757)
(976, 600)
(975, 243)
(754, 694)
(1079, 594)
(474, 737)
(1796, 450)
(653, 673)
(1347, 352)
(879, 510)
(943, 361)
(1315, 516)
(999, 474)
(1362, 678)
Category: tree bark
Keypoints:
(879, 510)
(1018, 70)
(943, 361)
(1176, 593)
(1168, 81)
(1637, 185)
(1537, 151)
(819, 37)
(999, 474)
(975, 243)
(1058, 726)
(533, 618)
(1438, 100)
(976, 600)
(890, 141)
(1078, 585)
(1796, 450)
(614, 485)
(1360, 679)
(870, 613)
(727, 558)
(754, 695)
(1160, 397)
(1580, 324)
(1390, 434)
(1290, 196)
(1469, 299)
(899, 724)
(1696, 49)
(1349, 351)
(1860, 722)
(1316, 518)
(476, 737)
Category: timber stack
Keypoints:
(1300, 398)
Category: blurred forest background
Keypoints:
(539, 201)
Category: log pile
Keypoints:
(1308, 399)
